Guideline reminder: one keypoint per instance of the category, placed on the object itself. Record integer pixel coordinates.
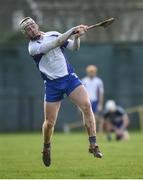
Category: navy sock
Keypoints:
(92, 139)
(48, 145)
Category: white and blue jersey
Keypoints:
(55, 69)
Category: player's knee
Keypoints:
(49, 123)
(86, 107)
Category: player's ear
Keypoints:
(25, 34)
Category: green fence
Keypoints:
(21, 88)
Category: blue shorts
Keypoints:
(57, 88)
(94, 105)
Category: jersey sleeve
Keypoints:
(43, 47)
(34, 49)
(70, 44)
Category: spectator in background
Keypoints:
(95, 89)
(115, 120)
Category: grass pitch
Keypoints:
(20, 157)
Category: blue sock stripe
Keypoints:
(92, 140)
(47, 145)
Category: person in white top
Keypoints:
(47, 50)
(95, 89)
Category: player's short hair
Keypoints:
(25, 22)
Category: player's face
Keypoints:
(32, 31)
(91, 74)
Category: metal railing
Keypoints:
(139, 110)
(67, 127)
